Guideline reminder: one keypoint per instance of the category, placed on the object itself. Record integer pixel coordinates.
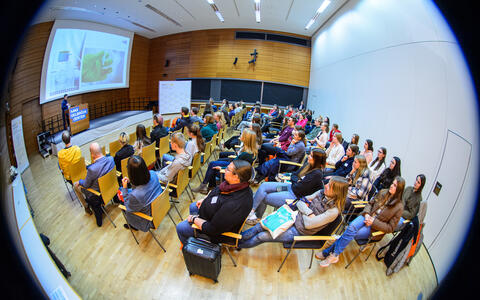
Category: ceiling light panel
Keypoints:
(257, 11)
(215, 10)
(320, 10)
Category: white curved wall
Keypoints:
(392, 71)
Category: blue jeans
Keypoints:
(211, 173)
(356, 230)
(167, 157)
(257, 235)
(267, 194)
(184, 229)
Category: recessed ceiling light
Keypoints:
(317, 13)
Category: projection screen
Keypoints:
(84, 57)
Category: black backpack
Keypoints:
(398, 243)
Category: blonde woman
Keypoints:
(247, 152)
(220, 119)
(359, 179)
(124, 152)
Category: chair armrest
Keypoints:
(107, 152)
(300, 238)
(232, 235)
(91, 190)
(359, 206)
(288, 201)
(194, 226)
(190, 167)
(168, 162)
(290, 163)
(232, 156)
(170, 184)
(359, 202)
(156, 148)
(377, 233)
(141, 215)
(330, 166)
(87, 162)
(236, 146)
(119, 173)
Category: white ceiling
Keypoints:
(280, 15)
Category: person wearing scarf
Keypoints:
(224, 209)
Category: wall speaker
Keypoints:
(235, 61)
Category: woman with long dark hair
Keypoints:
(368, 151)
(388, 175)
(378, 164)
(380, 214)
(304, 182)
(412, 198)
(142, 139)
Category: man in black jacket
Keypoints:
(184, 120)
(158, 131)
(344, 165)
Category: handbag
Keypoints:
(279, 221)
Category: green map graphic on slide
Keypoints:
(95, 66)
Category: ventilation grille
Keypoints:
(253, 35)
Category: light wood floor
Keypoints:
(106, 263)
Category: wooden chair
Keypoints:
(208, 151)
(148, 129)
(159, 207)
(230, 244)
(148, 155)
(178, 188)
(78, 170)
(66, 185)
(292, 163)
(163, 146)
(108, 185)
(193, 169)
(166, 123)
(314, 242)
(113, 148)
(132, 138)
(362, 244)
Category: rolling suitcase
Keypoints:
(202, 258)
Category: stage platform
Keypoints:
(101, 127)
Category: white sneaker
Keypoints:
(331, 259)
(252, 215)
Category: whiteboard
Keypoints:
(173, 95)
(19, 145)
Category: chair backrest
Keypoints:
(160, 207)
(185, 134)
(182, 181)
(422, 211)
(78, 170)
(235, 244)
(123, 164)
(133, 138)
(113, 147)
(195, 163)
(166, 123)
(214, 140)
(208, 150)
(148, 154)
(163, 146)
(108, 185)
(148, 129)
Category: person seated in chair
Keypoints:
(294, 153)
(360, 181)
(158, 131)
(381, 214)
(145, 189)
(100, 166)
(412, 197)
(68, 156)
(247, 152)
(269, 146)
(210, 128)
(184, 120)
(224, 209)
(303, 182)
(142, 139)
(315, 212)
(194, 116)
(124, 152)
(335, 151)
(344, 165)
(181, 161)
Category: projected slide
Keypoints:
(82, 60)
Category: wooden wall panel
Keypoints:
(210, 53)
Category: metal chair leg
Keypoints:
(108, 216)
(170, 216)
(150, 230)
(288, 253)
(175, 206)
(130, 228)
(311, 260)
(233, 261)
(353, 259)
(371, 250)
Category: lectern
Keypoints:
(79, 118)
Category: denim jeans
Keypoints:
(166, 157)
(211, 172)
(356, 230)
(184, 229)
(257, 235)
(267, 194)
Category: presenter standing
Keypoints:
(65, 113)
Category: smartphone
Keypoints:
(282, 188)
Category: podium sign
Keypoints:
(79, 118)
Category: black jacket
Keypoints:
(157, 133)
(343, 168)
(182, 122)
(225, 212)
(124, 152)
(311, 182)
